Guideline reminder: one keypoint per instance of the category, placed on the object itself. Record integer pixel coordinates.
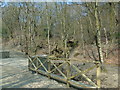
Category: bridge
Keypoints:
(61, 69)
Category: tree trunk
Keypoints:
(48, 27)
(98, 34)
(106, 43)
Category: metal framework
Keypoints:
(52, 68)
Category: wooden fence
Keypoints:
(61, 70)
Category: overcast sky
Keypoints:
(59, 0)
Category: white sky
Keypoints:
(59, 0)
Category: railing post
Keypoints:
(68, 73)
(37, 64)
(49, 68)
(28, 63)
(98, 75)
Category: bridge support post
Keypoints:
(68, 73)
(98, 75)
(49, 68)
(37, 65)
(29, 65)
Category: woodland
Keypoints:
(82, 30)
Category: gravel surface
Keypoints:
(15, 74)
